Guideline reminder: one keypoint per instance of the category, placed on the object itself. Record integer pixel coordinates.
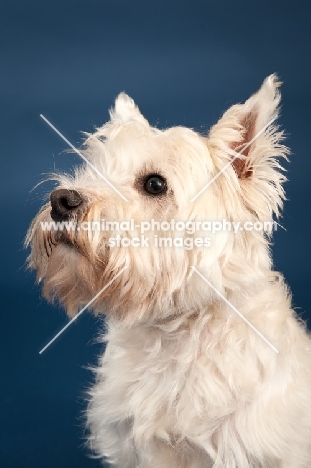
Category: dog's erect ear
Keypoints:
(248, 136)
(125, 110)
(239, 128)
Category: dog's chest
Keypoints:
(161, 382)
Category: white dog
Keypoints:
(185, 382)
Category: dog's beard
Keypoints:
(69, 277)
(70, 264)
(75, 265)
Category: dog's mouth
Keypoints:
(63, 238)
(52, 240)
(77, 241)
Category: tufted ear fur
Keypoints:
(126, 110)
(247, 135)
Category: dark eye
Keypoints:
(155, 184)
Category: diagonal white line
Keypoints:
(233, 159)
(82, 310)
(236, 311)
(84, 158)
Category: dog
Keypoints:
(185, 380)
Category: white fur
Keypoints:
(184, 382)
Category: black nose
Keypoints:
(64, 203)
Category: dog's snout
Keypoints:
(64, 203)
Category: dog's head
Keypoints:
(139, 175)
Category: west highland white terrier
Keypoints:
(206, 363)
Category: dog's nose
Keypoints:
(64, 203)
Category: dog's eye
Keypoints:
(155, 184)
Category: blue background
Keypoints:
(184, 62)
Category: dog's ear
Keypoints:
(125, 110)
(247, 136)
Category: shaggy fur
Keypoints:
(184, 382)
